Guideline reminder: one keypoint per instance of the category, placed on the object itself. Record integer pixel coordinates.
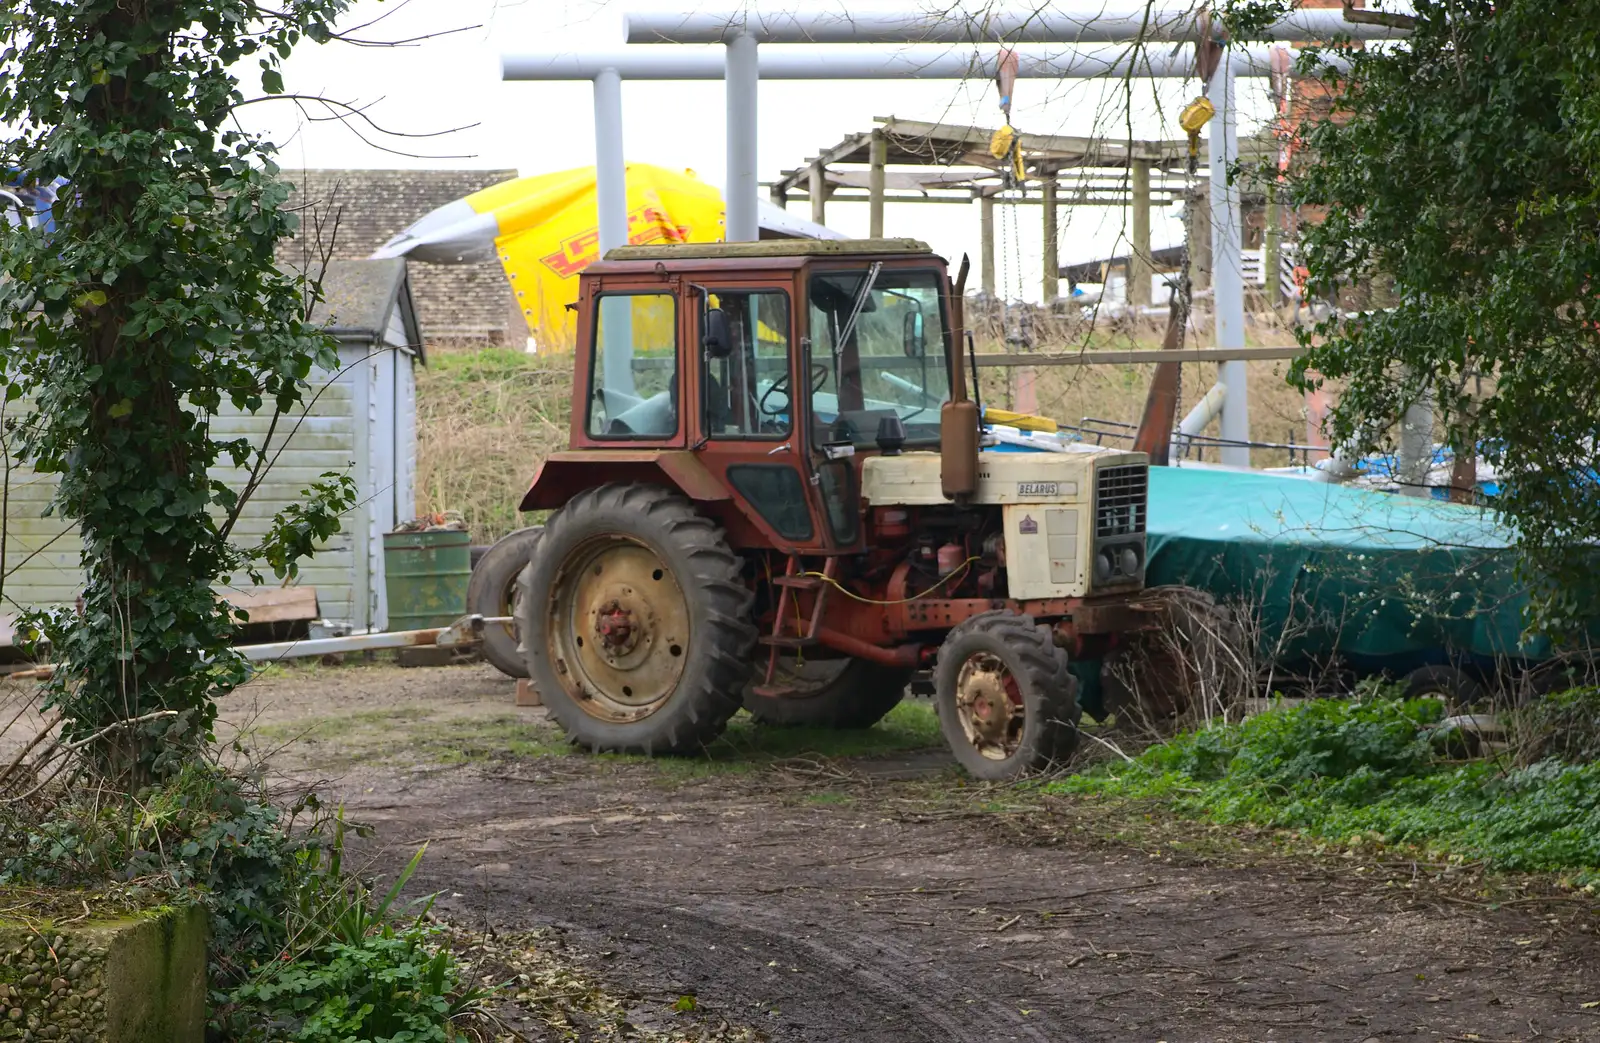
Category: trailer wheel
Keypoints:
(1008, 704)
(636, 625)
(492, 591)
(832, 693)
(1451, 685)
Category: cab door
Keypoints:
(749, 431)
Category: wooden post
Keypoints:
(1270, 263)
(779, 196)
(879, 155)
(1140, 267)
(1199, 237)
(986, 241)
(817, 188)
(1052, 262)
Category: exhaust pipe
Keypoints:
(958, 418)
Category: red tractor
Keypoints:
(775, 497)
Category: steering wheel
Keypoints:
(819, 377)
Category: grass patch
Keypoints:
(1369, 773)
(413, 733)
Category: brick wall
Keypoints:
(359, 210)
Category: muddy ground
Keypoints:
(877, 897)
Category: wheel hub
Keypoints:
(619, 629)
(616, 629)
(990, 706)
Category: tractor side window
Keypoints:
(634, 378)
(747, 378)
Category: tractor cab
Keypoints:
(762, 372)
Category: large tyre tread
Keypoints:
(490, 575)
(697, 713)
(859, 698)
(1049, 675)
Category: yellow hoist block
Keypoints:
(1004, 143)
(1193, 118)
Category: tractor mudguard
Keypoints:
(571, 471)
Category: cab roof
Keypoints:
(768, 249)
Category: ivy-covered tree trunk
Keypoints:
(153, 301)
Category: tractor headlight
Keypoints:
(1103, 566)
(1130, 561)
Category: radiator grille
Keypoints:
(1119, 500)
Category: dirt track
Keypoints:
(841, 901)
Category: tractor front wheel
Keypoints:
(830, 693)
(635, 622)
(1008, 704)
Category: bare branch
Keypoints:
(342, 111)
(1357, 16)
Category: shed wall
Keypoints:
(360, 420)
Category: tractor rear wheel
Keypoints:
(1008, 703)
(635, 622)
(830, 693)
(492, 592)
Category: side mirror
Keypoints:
(717, 339)
(914, 340)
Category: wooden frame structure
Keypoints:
(955, 167)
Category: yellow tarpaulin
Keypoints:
(549, 232)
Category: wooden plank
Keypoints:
(1148, 356)
(275, 604)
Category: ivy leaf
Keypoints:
(121, 409)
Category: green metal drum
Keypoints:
(425, 577)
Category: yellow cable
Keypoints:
(959, 572)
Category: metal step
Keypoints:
(768, 641)
(798, 582)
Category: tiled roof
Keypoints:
(358, 210)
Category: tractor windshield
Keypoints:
(890, 362)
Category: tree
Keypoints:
(154, 301)
(1457, 177)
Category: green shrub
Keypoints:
(1335, 769)
(394, 986)
(299, 944)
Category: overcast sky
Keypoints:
(534, 128)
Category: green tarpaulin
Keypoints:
(1328, 568)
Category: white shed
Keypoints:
(361, 419)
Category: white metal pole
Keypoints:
(854, 62)
(933, 24)
(1227, 264)
(611, 198)
(743, 76)
(611, 178)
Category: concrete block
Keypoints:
(139, 978)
